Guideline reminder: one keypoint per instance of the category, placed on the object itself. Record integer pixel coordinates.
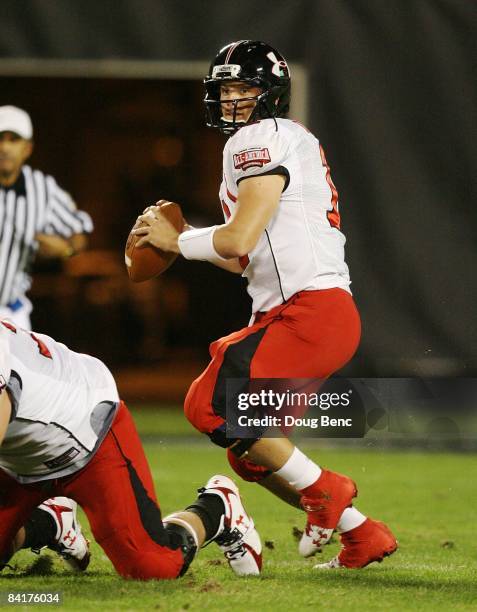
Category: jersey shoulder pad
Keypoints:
(256, 148)
(259, 130)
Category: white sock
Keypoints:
(299, 470)
(350, 519)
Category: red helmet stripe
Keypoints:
(232, 49)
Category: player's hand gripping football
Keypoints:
(153, 228)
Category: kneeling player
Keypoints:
(64, 433)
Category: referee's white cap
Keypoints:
(14, 119)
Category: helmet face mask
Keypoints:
(257, 65)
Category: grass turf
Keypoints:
(428, 499)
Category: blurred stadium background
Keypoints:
(114, 91)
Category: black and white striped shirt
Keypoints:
(34, 204)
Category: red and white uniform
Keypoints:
(63, 404)
(305, 322)
(302, 247)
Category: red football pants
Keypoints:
(116, 491)
(312, 335)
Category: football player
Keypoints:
(64, 433)
(281, 232)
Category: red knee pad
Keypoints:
(251, 472)
(198, 408)
(158, 565)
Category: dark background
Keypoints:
(392, 99)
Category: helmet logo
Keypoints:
(280, 67)
(226, 71)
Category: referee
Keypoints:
(37, 217)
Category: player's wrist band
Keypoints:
(199, 244)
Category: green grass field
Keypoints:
(428, 499)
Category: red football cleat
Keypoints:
(370, 541)
(324, 502)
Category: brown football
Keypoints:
(146, 262)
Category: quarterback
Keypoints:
(66, 438)
(281, 232)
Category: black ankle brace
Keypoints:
(40, 529)
(210, 509)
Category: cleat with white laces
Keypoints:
(369, 542)
(237, 537)
(69, 541)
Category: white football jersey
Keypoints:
(302, 247)
(63, 404)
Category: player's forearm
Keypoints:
(230, 264)
(231, 241)
(258, 201)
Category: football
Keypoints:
(147, 261)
